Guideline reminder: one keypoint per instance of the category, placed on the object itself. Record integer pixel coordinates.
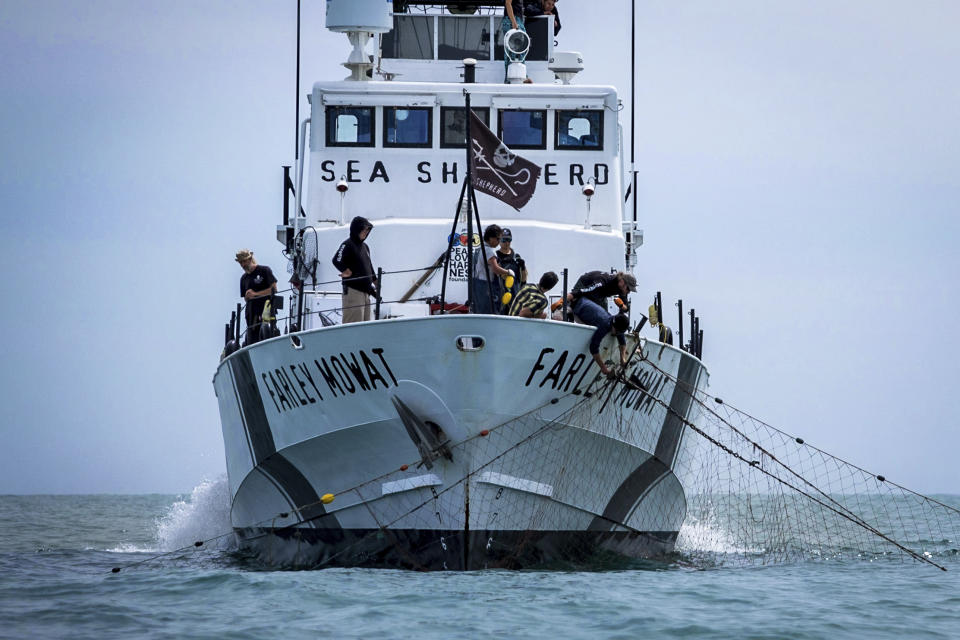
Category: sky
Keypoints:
(799, 186)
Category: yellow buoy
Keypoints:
(327, 498)
(507, 297)
(509, 282)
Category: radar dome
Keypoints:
(372, 16)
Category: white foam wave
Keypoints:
(703, 537)
(131, 548)
(202, 516)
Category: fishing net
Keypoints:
(757, 495)
(305, 268)
(568, 484)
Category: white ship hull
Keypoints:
(517, 454)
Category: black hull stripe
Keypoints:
(629, 493)
(672, 430)
(243, 424)
(251, 404)
(300, 491)
(639, 483)
(276, 467)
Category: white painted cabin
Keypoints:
(396, 141)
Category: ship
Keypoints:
(428, 438)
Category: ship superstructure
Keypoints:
(431, 439)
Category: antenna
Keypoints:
(296, 117)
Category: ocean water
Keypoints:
(57, 552)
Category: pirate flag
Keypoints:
(498, 171)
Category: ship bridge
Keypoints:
(429, 43)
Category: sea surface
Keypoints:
(57, 553)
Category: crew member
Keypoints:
(486, 270)
(597, 286)
(530, 301)
(589, 300)
(256, 284)
(352, 259)
(533, 8)
(511, 260)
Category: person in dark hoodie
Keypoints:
(353, 261)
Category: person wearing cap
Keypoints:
(589, 301)
(352, 259)
(510, 259)
(530, 301)
(256, 284)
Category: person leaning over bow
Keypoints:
(589, 300)
(352, 259)
(481, 285)
(256, 283)
(597, 286)
(530, 301)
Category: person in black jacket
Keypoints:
(533, 8)
(353, 261)
(589, 299)
(597, 286)
(256, 284)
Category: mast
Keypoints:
(294, 241)
(633, 130)
(469, 194)
(296, 117)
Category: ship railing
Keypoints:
(267, 326)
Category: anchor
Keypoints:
(426, 435)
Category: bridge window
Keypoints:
(407, 127)
(464, 37)
(580, 130)
(350, 126)
(523, 129)
(412, 37)
(453, 126)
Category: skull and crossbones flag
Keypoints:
(498, 171)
